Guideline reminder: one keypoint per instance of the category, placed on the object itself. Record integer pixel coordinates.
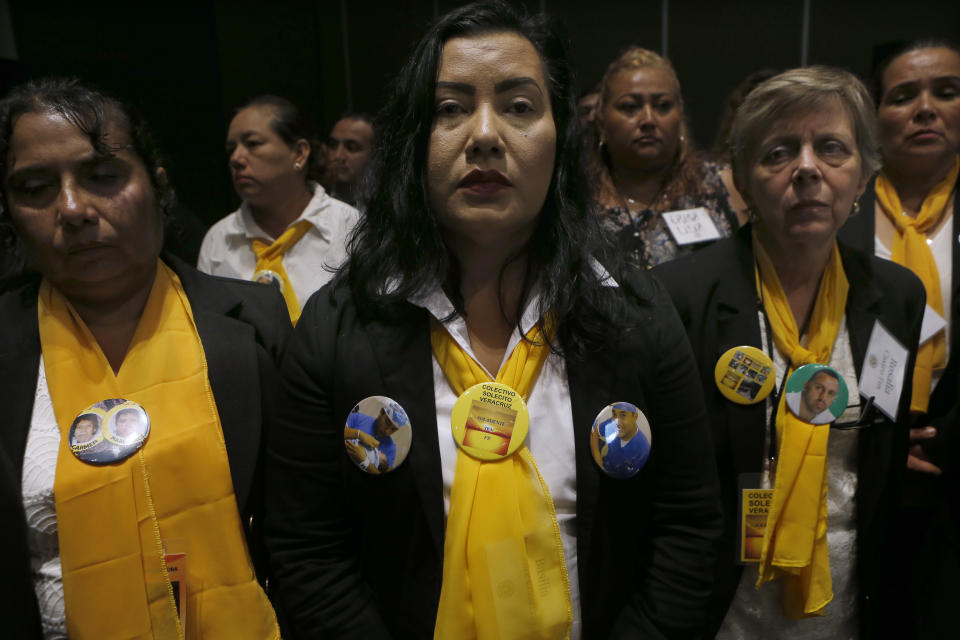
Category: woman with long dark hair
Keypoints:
(482, 431)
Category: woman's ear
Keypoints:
(303, 152)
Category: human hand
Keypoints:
(917, 459)
(356, 452)
(367, 439)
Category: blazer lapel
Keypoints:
(863, 311)
(738, 324)
(232, 368)
(405, 362)
(19, 366)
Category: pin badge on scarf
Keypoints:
(816, 394)
(266, 276)
(744, 375)
(490, 421)
(620, 440)
(377, 435)
(109, 431)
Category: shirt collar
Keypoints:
(315, 213)
(441, 308)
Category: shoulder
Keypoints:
(251, 303)
(895, 280)
(700, 270)
(217, 235)
(324, 204)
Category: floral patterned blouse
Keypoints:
(644, 236)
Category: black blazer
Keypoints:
(360, 556)
(715, 293)
(243, 327)
(944, 411)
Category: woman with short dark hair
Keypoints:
(142, 532)
(288, 232)
(473, 309)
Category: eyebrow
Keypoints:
(87, 161)
(500, 87)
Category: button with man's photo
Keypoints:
(816, 394)
(109, 431)
(620, 440)
(377, 435)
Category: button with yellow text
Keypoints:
(490, 421)
(744, 375)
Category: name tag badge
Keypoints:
(176, 563)
(752, 511)
(690, 226)
(932, 324)
(884, 370)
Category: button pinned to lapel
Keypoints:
(816, 394)
(744, 375)
(620, 440)
(266, 276)
(109, 431)
(490, 421)
(377, 435)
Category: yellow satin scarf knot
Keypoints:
(113, 520)
(504, 574)
(270, 258)
(910, 249)
(795, 543)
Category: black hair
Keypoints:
(291, 124)
(885, 54)
(397, 251)
(90, 111)
(362, 116)
(826, 371)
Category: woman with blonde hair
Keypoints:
(644, 167)
(784, 294)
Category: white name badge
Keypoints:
(690, 226)
(883, 371)
(933, 322)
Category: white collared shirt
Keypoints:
(227, 248)
(551, 435)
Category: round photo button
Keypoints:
(490, 421)
(816, 394)
(109, 431)
(266, 276)
(377, 435)
(620, 440)
(744, 375)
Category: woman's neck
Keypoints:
(914, 180)
(491, 284)
(641, 187)
(799, 267)
(274, 217)
(113, 319)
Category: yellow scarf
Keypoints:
(910, 249)
(795, 543)
(113, 520)
(270, 258)
(504, 574)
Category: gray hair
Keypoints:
(797, 92)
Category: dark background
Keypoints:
(187, 66)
